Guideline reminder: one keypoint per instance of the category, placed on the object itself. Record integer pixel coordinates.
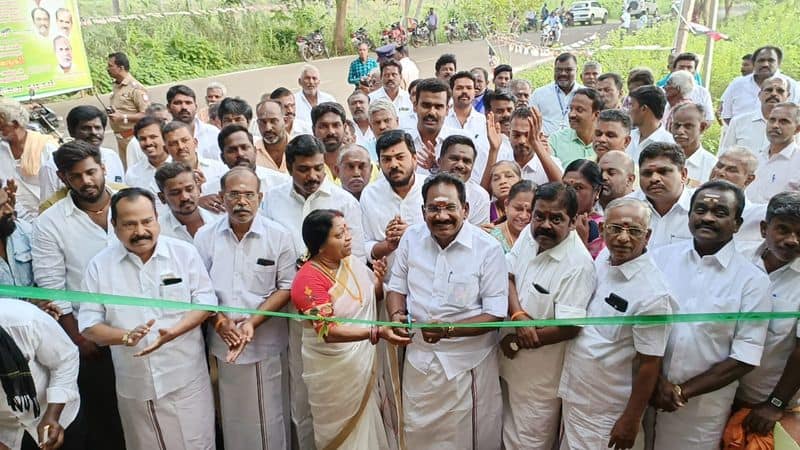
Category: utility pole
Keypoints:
(710, 44)
(682, 35)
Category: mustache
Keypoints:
(141, 237)
(240, 209)
(544, 232)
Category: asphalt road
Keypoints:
(250, 84)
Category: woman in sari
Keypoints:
(340, 361)
(504, 175)
(518, 206)
(585, 177)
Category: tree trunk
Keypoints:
(340, 27)
(728, 6)
(418, 10)
(115, 7)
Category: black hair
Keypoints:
(227, 131)
(445, 178)
(169, 171)
(391, 63)
(785, 205)
(447, 58)
(458, 139)
(71, 153)
(594, 96)
(482, 70)
(557, 190)
(722, 185)
(435, 86)
(497, 95)
(641, 76)
(235, 106)
(121, 60)
(652, 97)
(459, 75)
(687, 56)
(521, 187)
(325, 108)
(522, 112)
(145, 122)
(566, 56)
(503, 68)
(180, 89)
(412, 85)
(169, 127)
(616, 115)
(615, 77)
(391, 138)
(84, 113)
(279, 93)
(233, 171)
(303, 145)
(777, 51)
(316, 227)
(33, 12)
(663, 150)
(748, 57)
(588, 170)
(130, 194)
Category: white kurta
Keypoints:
(748, 131)
(673, 226)
(775, 173)
(723, 282)
(638, 144)
(566, 272)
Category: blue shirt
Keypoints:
(360, 69)
(18, 269)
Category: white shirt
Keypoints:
(748, 238)
(64, 240)
(534, 172)
(28, 189)
(284, 205)
(775, 174)
(465, 279)
(380, 204)
(723, 282)
(364, 139)
(782, 334)
(142, 174)
(554, 105)
(478, 200)
(741, 96)
(444, 133)
(637, 145)
(206, 135)
(410, 70)
(701, 96)
(116, 271)
(49, 183)
(133, 153)
(402, 101)
(213, 170)
(269, 178)
(299, 127)
(303, 106)
(599, 363)
(172, 227)
(673, 226)
(53, 362)
(748, 130)
(475, 128)
(244, 273)
(699, 166)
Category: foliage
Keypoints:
(776, 25)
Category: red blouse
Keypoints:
(310, 293)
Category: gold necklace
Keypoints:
(100, 210)
(332, 275)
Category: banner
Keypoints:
(41, 49)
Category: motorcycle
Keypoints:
(472, 30)
(360, 36)
(548, 36)
(395, 34)
(451, 31)
(43, 120)
(531, 23)
(420, 34)
(312, 46)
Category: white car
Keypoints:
(587, 12)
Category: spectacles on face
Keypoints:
(616, 230)
(235, 195)
(436, 209)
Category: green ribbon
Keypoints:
(123, 300)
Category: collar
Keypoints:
(632, 267)
(127, 80)
(70, 206)
(256, 226)
(788, 151)
(326, 189)
(723, 257)
(464, 237)
(559, 91)
(564, 248)
(121, 253)
(696, 156)
(685, 200)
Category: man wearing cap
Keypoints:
(386, 52)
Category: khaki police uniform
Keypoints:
(127, 97)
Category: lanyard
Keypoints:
(564, 111)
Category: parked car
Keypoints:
(638, 8)
(588, 11)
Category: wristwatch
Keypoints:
(776, 402)
(125, 119)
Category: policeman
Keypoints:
(128, 101)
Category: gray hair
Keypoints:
(682, 80)
(382, 105)
(629, 201)
(351, 148)
(516, 82)
(744, 156)
(592, 64)
(792, 107)
(13, 111)
(217, 85)
(308, 68)
(782, 80)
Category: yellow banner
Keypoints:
(41, 49)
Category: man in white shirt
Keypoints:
(85, 123)
(309, 94)
(251, 262)
(553, 99)
(382, 118)
(182, 147)
(662, 185)
(779, 163)
(133, 153)
(462, 116)
(530, 148)
(65, 237)
(182, 104)
(410, 70)
(741, 96)
(295, 124)
(611, 90)
(40, 373)
(238, 150)
(178, 190)
(458, 159)
(612, 132)
(358, 105)
(699, 94)
(142, 174)
(288, 204)
(704, 360)
(610, 371)
(550, 276)
(749, 130)
(163, 388)
(647, 109)
(391, 80)
(449, 270)
(687, 128)
(771, 388)
(353, 169)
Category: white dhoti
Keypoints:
(180, 420)
(252, 404)
(531, 414)
(681, 431)
(298, 392)
(590, 430)
(462, 413)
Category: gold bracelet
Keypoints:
(126, 338)
(517, 314)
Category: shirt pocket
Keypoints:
(719, 330)
(23, 268)
(462, 291)
(782, 327)
(262, 279)
(539, 305)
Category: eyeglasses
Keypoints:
(434, 209)
(617, 230)
(234, 195)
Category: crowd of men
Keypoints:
(205, 205)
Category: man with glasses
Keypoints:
(554, 99)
